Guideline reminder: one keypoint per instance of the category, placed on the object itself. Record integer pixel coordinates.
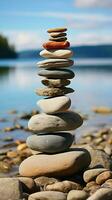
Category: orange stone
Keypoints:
(56, 45)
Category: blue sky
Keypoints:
(25, 22)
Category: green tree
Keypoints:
(6, 50)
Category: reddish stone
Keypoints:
(56, 45)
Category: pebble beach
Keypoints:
(51, 162)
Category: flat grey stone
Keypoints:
(59, 39)
(50, 142)
(57, 34)
(55, 73)
(55, 63)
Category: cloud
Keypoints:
(82, 20)
(93, 3)
(91, 39)
(24, 39)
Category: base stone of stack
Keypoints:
(50, 142)
(59, 165)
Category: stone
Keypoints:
(91, 174)
(55, 63)
(53, 92)
(43, 181)
(21, 147)
(56, 45)
(107, 183)
(55, 104)
(77, 195)
(57, 74)
(50, 142)
(28, 185)
(55, 165)
(56, 83)
(91, 187)
(61, 29)
(60, 53)
(47, 195)
(10, 189)
(64, 186)
(57, 34)
(62, 121)
(102, 194)
(101, 178)
(99, 159)
(60, 39)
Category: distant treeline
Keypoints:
(90, 51)
(6, 50)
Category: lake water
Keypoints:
(92, 85)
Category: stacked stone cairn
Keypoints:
(51, 140)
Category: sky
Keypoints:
(25, 22)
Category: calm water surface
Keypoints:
(92, 84)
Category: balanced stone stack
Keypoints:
(50, 127)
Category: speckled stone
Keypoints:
(53, 92)
(55, 104)
(60, 53)
(50, 142)
(60, 29)
(62, 121)
(57, 74)
(56, 82)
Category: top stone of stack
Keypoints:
(62, 29)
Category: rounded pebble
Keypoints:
(55, 104)
(57, 74)
(61, 53)
(50, 142)
(62, 121)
